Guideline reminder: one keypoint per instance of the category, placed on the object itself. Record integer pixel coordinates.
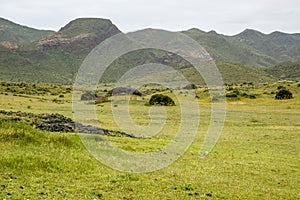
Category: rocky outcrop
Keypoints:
(59, 123)
(9, 45)
(79, 33)
(57, 40)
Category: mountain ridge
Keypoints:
(10, 31)
(56, 56)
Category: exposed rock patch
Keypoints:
(59, 123)
(9, 45)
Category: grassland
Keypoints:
(256, 157)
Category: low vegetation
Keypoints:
(284, 94)
(160, 99)
(256, 157)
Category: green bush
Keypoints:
(284, 94)
(236, 93)
(233, 94)
(159, 99)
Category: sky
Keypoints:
(227, 17)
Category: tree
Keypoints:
(284, 94)
(159, 99)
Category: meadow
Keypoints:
(256, 156)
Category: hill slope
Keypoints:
(16, 33)
(249, 47)
(56, 57)
(286, 70)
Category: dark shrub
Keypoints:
(190, 86)
(252, 96)
(284, 94)
(124, 90)
(230, 88)
(233, 94)
(159, 99)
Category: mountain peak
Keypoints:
(277, 33)
(250, 35)
(87, 26)
(196, 30)
(88, 31)
(249, 32)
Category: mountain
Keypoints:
(32, 55)
(56, 57)
(278, 46)
(81, 34)
(15, 33)
(249, 47)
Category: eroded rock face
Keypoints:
(57, 40)
(52, 41)
(9, 45)
(83, 33)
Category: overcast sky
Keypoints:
(224, 16)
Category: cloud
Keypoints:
(227, 17)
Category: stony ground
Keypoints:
(58, 123)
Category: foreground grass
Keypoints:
(262, 162)
(256, 157)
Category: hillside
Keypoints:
(15, 33)
(249, 47)
(286, 70)
(54, 57)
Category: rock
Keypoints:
(13, 177)
(9, 45)
(59, 123)
(3, 187)
(209, 194)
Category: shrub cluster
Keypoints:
(159, 99)
(236, 93)
(284, 94)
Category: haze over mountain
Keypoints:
(32, 55)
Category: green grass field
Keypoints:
(256, 157)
